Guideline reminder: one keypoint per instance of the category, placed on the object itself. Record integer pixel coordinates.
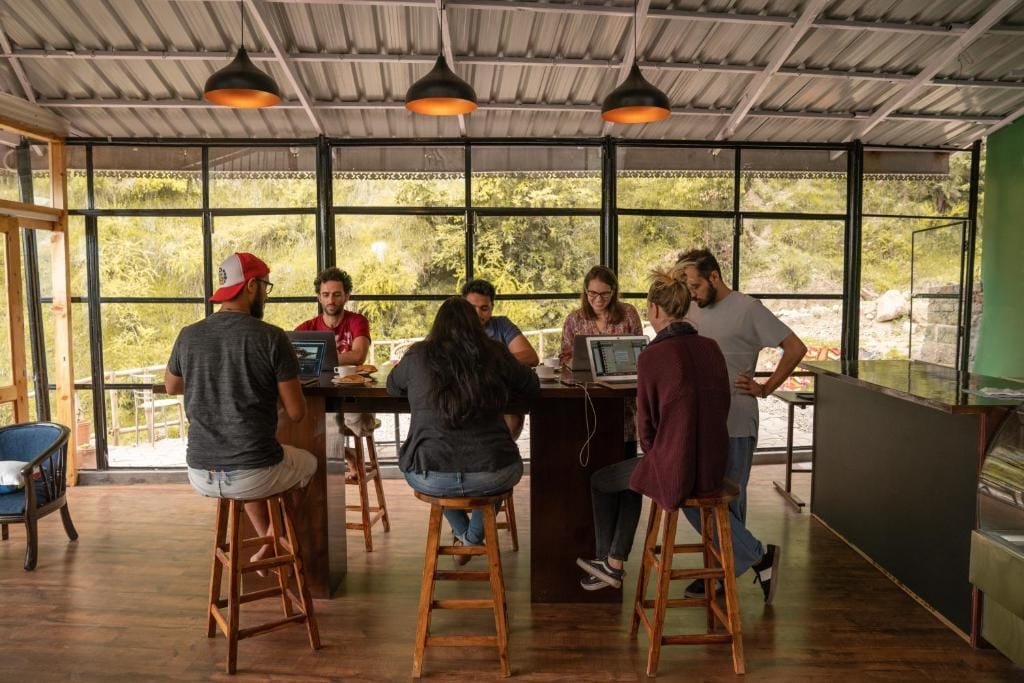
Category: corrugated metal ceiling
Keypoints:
(136, 68)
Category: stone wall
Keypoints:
(934, 325)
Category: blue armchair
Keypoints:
(43, 447)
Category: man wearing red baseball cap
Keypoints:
(233, 368)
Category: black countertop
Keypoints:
(928, 384)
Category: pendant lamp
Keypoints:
(635, 100)
(240, 84)
(441, 92)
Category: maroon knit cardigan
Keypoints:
(682, 402)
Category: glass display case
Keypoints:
(997, 545)
(1001, 485)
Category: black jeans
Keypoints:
(616, 507)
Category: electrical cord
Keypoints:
(588, 412)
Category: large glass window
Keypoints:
(410, 231)
(534, 176)
(262, 177)
(148, 177)
(793, 181)
(647, 242)
(675, 178)
(399, 175)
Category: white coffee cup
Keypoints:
(344, 370)
(551, 362)
(545, 372)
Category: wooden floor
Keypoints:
(126, 602)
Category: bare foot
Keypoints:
(260, 554)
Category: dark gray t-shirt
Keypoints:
(231, 364)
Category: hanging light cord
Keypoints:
(242, 7)
(636, 31)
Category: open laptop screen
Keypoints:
(311, 357)
(614, 358)
(316, 351)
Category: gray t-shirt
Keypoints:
(742, 326)
(231, 364)
(500, 328)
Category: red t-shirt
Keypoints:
(352, 325)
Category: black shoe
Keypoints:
(766, 572)
(696, 589)
(592, 583)
(601, 570)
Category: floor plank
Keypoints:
(126, 603)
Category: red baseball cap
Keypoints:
(237, 270)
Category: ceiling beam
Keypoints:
(512, 106)
(640, 10)
(1001, 123)
(259, 12)
(950, 29)
(787, 43)
(449, 54)
(542, 62)
(15, 63)
(906, 92)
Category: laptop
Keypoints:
(580, 359)
(317, 355)
(613, 359)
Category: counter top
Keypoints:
(928, 384)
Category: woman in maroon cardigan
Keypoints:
(682, 405)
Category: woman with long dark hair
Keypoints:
(459, 383)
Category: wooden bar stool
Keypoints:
(285, 561)
(431, 574)
(366, 470)
(508, 507)
(718, 566)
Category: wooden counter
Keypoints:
(561, 526)
(898, 448)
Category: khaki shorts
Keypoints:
(295, 469)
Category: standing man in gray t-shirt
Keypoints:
(742, 326)
(233, 368)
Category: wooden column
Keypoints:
(65, 376)
(17, 392)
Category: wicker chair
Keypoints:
(43, 447)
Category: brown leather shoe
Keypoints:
(460, 560)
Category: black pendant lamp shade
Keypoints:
(635, 101)
(441, 93)
(240, 84)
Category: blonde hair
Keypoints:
(669, 292)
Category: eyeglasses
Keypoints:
(591, 294)
(266, 283)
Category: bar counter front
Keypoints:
(898, 449)
(561, 527)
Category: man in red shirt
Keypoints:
(351, 334)
(351, 330)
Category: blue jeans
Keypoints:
(746, 549)
(458, 484)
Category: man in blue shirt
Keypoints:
(481, 293)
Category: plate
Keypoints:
(336, 381)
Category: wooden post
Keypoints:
(65, 380)
(17, 391)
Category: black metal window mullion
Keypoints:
(849, 347)
(92, 278)
(967, 305)
(470, 214)
(37, 342)
(325, 200)
(207, 233)
(737, 220)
